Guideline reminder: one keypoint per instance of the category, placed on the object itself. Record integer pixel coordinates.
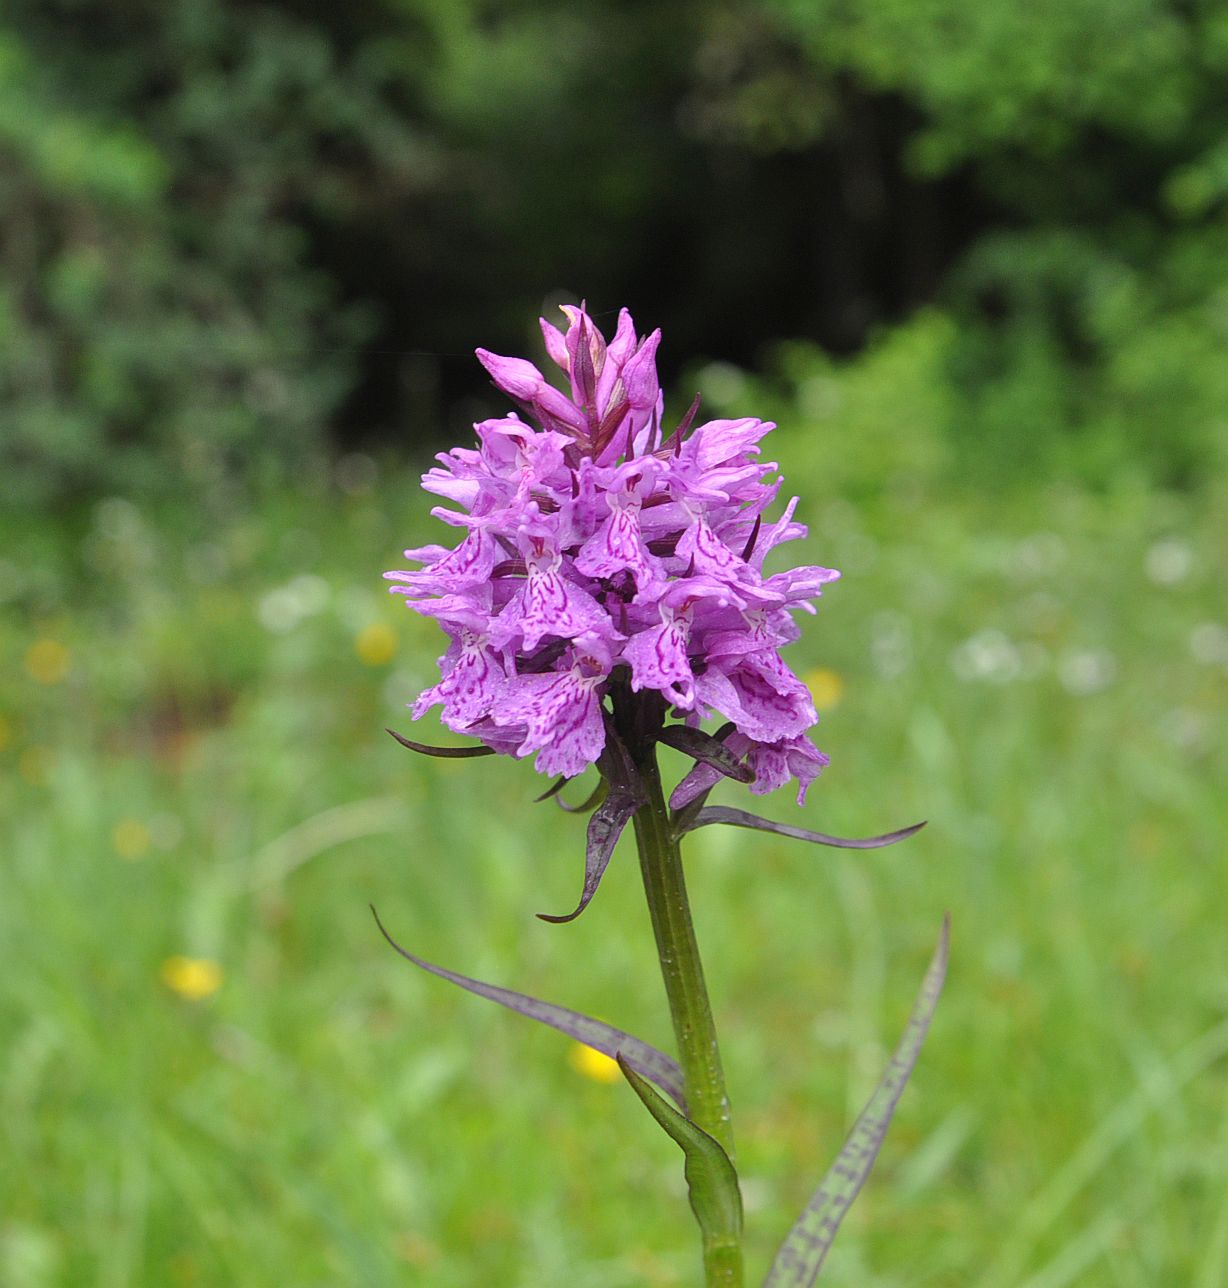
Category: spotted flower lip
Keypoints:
(595, 545)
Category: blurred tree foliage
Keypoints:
(1090, 318)
(227, 225)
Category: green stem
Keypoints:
(694, 1030)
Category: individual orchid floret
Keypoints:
(560, 710)
(549, 602)
(473, 679)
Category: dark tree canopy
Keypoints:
(229, 230)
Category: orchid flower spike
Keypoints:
(598, 551)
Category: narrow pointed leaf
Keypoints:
(553, 790)
(591, 801)
(708, 749)
(801, 1255)
(586, 377)
(740, 818)
(446, 753)
(604, 829)
(647, 1061)
(712, 1183)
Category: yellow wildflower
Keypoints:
(376, 644)
(593, 1064)
(826, 687)
(192, 977)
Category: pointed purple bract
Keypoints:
(712, 752)
(711, 814)
(594, 544)
(604, 828)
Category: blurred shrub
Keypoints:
(881, 420)
(1080, 359)
(1086, 330)
(221, 218)
(1050, 358)
(160, 322)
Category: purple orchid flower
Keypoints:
(608, 593)
(595, 548)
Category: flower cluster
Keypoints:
(597, 546)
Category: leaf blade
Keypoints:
(801, 1256)
(740, 818)
(657, 1067)
(591, 801)
(553, 790)
(712, 1182)
(444, 753)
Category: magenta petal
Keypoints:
(776, 763)
(707, 553)
(549, 604)
(618, 546)
(561, 713)
(556, 346)
(559, 407)
(622, 345)
(774, 703)
(639, 376)
(514, 376)
(658, 659)
(468, 690)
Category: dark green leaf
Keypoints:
(801, 1255)
(445, 753)
(553, 790)
(652, 1064)
(711, 751)
(594, 798)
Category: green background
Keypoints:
(973, 260)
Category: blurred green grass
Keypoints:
(194, 765)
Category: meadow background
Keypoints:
(974, 260)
